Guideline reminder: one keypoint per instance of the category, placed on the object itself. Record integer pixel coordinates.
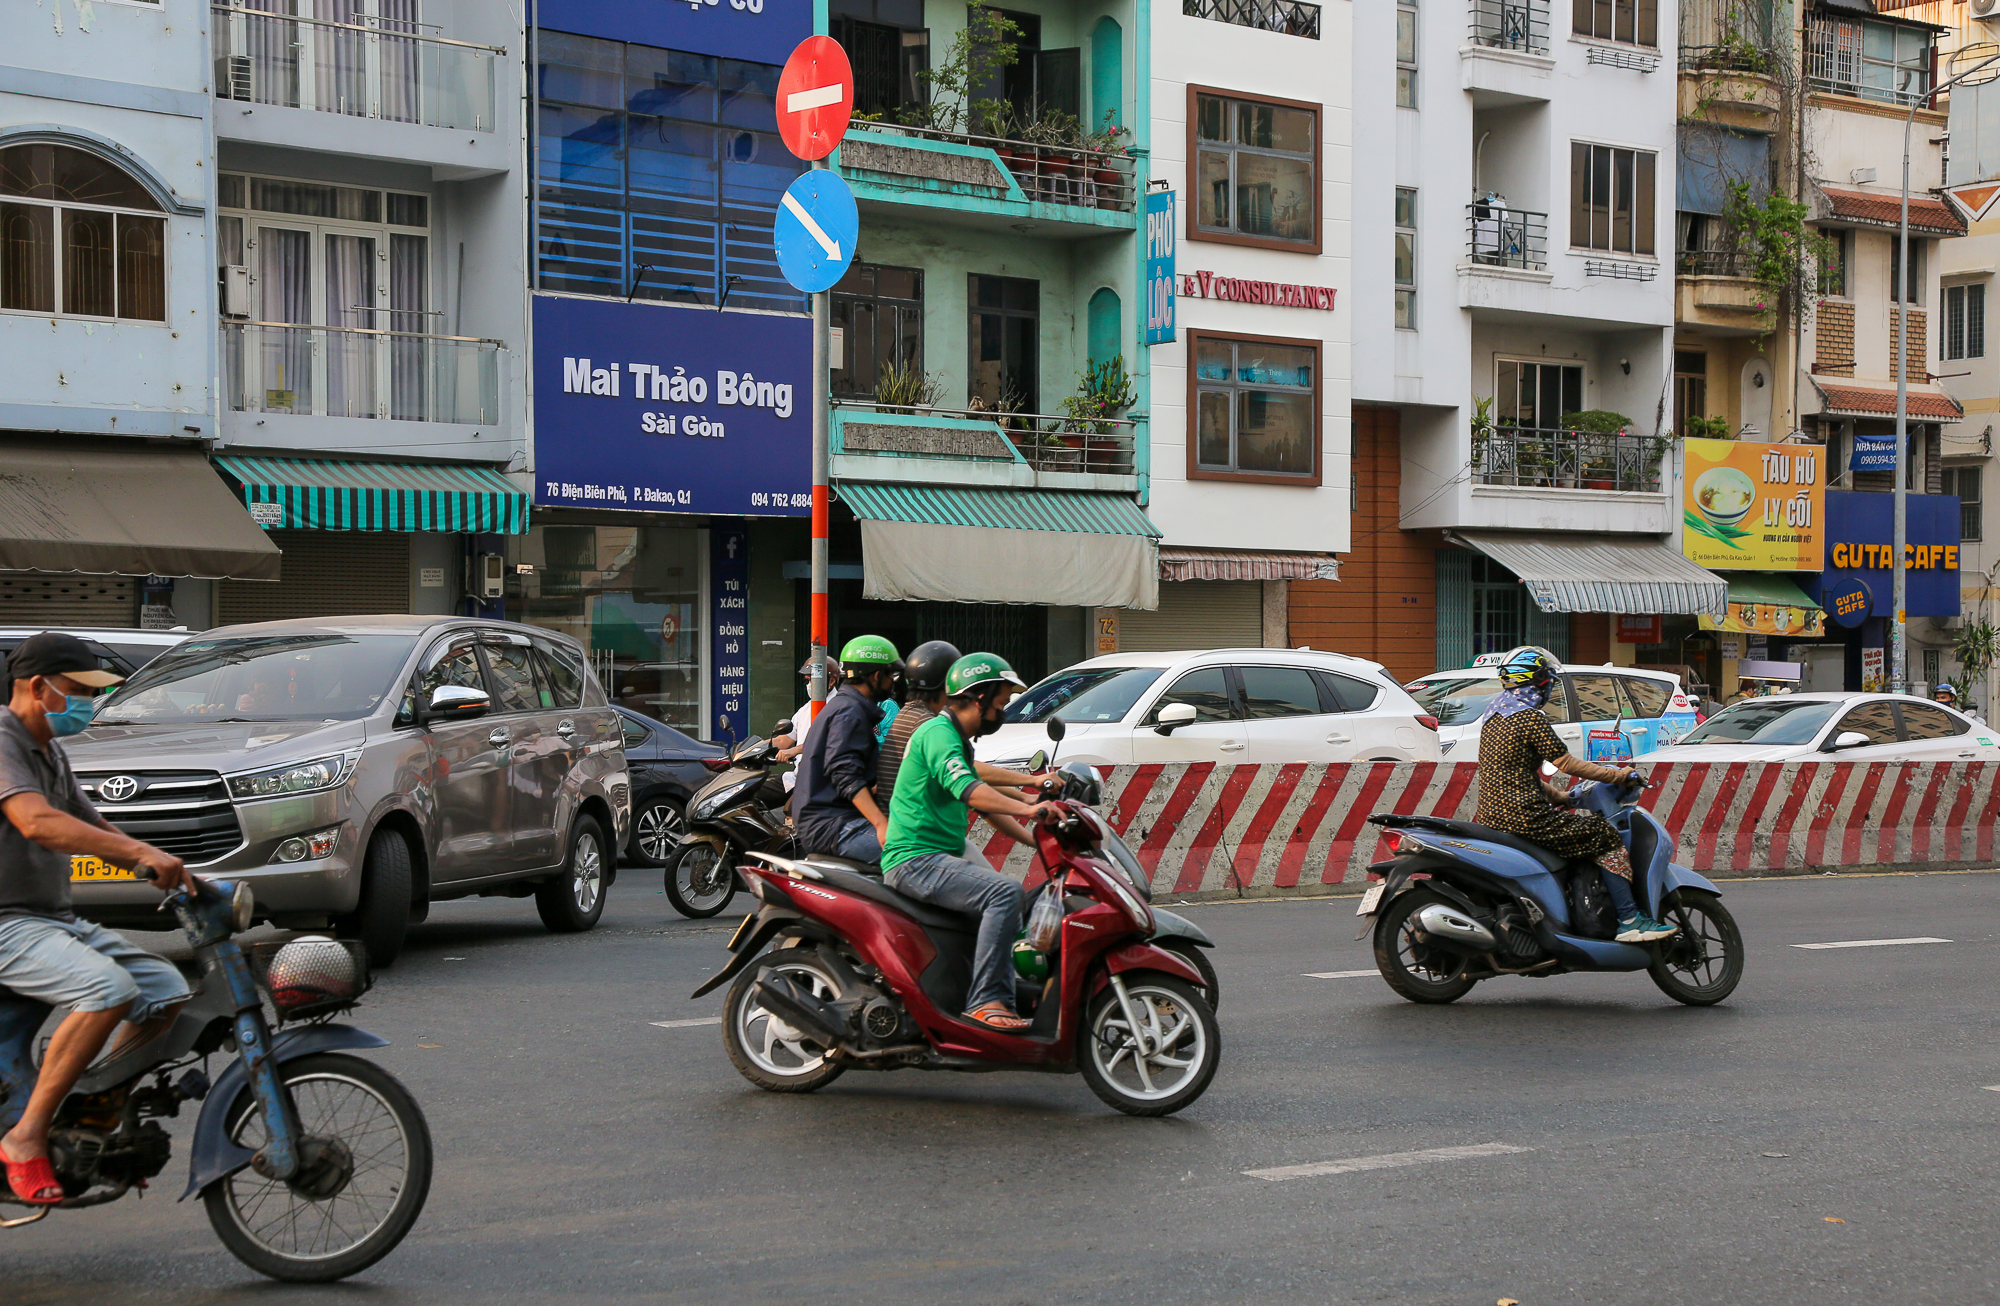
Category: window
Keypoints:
(513, 668)
(1406, 54)
(1255, 171)
(1690, 387)
(889, 60)
(1833, 270)
(1645, 699)
(1634, 21)
(1916, 293)
(563, 673)
(1338, 693)
(1406, 258)
(1536, 396)
(1256, 406)
(658, 174)
(79, 236)
(452, 664)
(1004, 336)
(636, 735)
(1278, 692)
(1870, 59)
(1965, 320)
(1610, 199)
(1207, 688)
(1291, 17)
(880, 314)
(1496, 606)
(1922, 721)
(1964, 482)
(1876, 720)
(1596, 698)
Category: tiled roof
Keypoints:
(1870, 401)
(1931, 216)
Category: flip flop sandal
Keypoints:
(33, 1180)
(996, 1016)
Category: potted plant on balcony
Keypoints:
(906, 389)
(1482, 431)
(1102, 392)
(1597, 431)
(1107, 180)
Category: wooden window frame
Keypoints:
(1196, 472)
(1193, 207)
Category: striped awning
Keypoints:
(327, 494)
(1020, 510)
(1245, 564)
(1602, 573)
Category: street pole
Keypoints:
(1899, 679)
(821, 492)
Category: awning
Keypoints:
(1928, 216)
(327, 494)
(119, 507)
(1762, 604)
(1849, 398)
(1602, 573)
(1244, 564)
(968, 545)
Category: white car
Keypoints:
(1218, 705)
(1834, 727)
(1605, 714)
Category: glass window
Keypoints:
(1596, 698)
(1872, 60)
(1406, 257)
(1876, 720)
(1086, 694)
(1206, 688)
(1454, 700)
(1278, 692)
(1535, 396)
(1256, 170)
(63, 248)
(266, 678)
(1896, 282)
(1965, 483)
(1635, 22)
(1406, 54)
(1645, 699)
(1340, 693)
(562, 673)
(1833, 269)
(1965, 321)
(879, 312)
(1611, 199)
(1255, 407)
(514, 688)
(1004, 341)
(635, 734)
(1764, 721)
(1922, 721)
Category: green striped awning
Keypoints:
(326, 494)
(1022, 510)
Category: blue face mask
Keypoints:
(73, 719)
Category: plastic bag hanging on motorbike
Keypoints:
(1045, 919)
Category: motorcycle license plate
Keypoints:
(93, 870)
(1370, 898)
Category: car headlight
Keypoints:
(302, 778)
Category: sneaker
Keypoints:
(1641, 928)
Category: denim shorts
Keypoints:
(84, 967)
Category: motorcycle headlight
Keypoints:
(305, 777)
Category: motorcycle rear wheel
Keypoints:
(700, 881)
(1187, 1045)
(1415, 971)
(384, 1147)
(765, 1050)
(1702, 964)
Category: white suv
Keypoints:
(1219, 705)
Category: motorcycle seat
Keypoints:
(1467, 830)
(862, 886)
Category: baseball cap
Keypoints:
(53, 653)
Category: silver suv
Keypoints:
(354, 770)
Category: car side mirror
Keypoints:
(1845, 739)
(457, 703)
(1173, 716)
(1057, 730)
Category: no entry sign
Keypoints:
(815, 97)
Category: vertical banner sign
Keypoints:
(1756, 507)
(1159, 267)
(729, 618)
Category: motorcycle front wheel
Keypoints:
(365, 1171)
(1702, 964)
(700, 880)
(1196, 956)
(1159, 1058)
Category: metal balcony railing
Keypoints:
(1292, 17)
(275, 367)
(1050, 442)
(1051, 174)
(1521, 25)
(1501, 237)
(1840, 58)
(1567, 460)
(1712, 263)
(379, 69)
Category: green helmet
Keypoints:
(976, 669)
(866, 652)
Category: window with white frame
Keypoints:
(1406, 53)
(79, 237)
(1406, 257)
(1965, 320)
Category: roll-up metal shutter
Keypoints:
(1195, 614)
(29, 598)
(325, 574)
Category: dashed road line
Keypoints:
(1387, 1161)
(685, 1024)
(1339, 974)
(1869, 943)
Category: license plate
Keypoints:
(1370, 898)
(93, 870)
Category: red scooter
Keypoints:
(863, 978)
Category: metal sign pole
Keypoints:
(821, 491)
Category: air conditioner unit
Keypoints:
(1988, 9)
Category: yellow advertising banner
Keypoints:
(1768, 619)
(1754, 507)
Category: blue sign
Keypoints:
(763, 31)
(816, 230)
(728, 618)
(1860, 529)
(1159, 267)
(1847, 600)
(1873, 453)
(653, 408)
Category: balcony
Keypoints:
(1500, 237)
(394, 376)
(898, 443)
(1288, 17)
(1518, 25)
(989, 181)
(1521, 456)
(382, 69)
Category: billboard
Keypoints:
(651, 408)
(1860, 534)
(1754, 507)
(763, 31)
(1159, 266)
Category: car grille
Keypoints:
(186, 813)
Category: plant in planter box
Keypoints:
(906, 389)
(1102, 392)
(1597, 431)
(1482, 430)
(983, 47)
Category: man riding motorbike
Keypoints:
(923, 679)
(1515, 738)
(833, 801)
(928, 816)
(1947, 694)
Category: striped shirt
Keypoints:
(913, 715)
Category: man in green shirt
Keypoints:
(921, 858)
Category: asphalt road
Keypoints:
(1825, 1136)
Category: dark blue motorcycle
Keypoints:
(313, 1164)
(1459, 903)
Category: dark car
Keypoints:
(666, 771)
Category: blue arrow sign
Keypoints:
(816, 230)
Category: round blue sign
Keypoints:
(816, 229)
(1847, 600)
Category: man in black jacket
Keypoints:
(833, 802)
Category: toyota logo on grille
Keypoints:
(118, 788)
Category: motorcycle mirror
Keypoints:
(1039, 761)
(1057, 729)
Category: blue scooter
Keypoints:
(1459, 903)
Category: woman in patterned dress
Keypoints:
(1515, 738)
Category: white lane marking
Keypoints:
(1339, 974)
(684, 1024)
(816, 98)
(1869, 943)
(1993, 1088)
(813, 229)
(1387, 1161)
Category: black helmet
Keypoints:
(925, 667)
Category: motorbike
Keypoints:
(1458, 903)
(859, 977)
(739, 812)
(312, 1163)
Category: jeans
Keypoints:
(857, 842)
(976, 890)
(84, 967)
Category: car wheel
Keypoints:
(657, 828)
(572, 901)
(382, 920)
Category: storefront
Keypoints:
(1858, 583)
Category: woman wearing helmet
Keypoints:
(1515, 738)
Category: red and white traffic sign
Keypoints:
(815, 97)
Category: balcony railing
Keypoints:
(1501, 237)
(1726, 35)
(380, 69)
(1292, 17)
(1051, 174)
(1713, 263)
(1567, 460)
(1521, 25)
(274, 367)
(1049, 442)
(1840, 58)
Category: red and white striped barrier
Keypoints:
(1208, 828)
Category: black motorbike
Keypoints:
(739, 812)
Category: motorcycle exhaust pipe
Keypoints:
(1449, 928)
(784, 999)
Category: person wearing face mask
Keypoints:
(46, 953)
(922, 857)
(833, 802)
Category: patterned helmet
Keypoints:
(313, 971)
(1529, 666)
(1946, 692)
(977, 669)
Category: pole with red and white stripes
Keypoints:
(821, 490)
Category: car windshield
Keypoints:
(1085, 694)
(1454, 700)
(263, 678)
(1765, 721)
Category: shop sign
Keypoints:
(645, 408)
(1281, 294)
(1107, 631)
(1768, 619)
(1639, 630)
(1159, 267)
(760, 30)
(1860, 530)
(729, 618)
(1729, 646)
(1757, 507)
(1871, 670)
(1847, 600)
(1873, 453)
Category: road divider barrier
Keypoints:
(1221, 830)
